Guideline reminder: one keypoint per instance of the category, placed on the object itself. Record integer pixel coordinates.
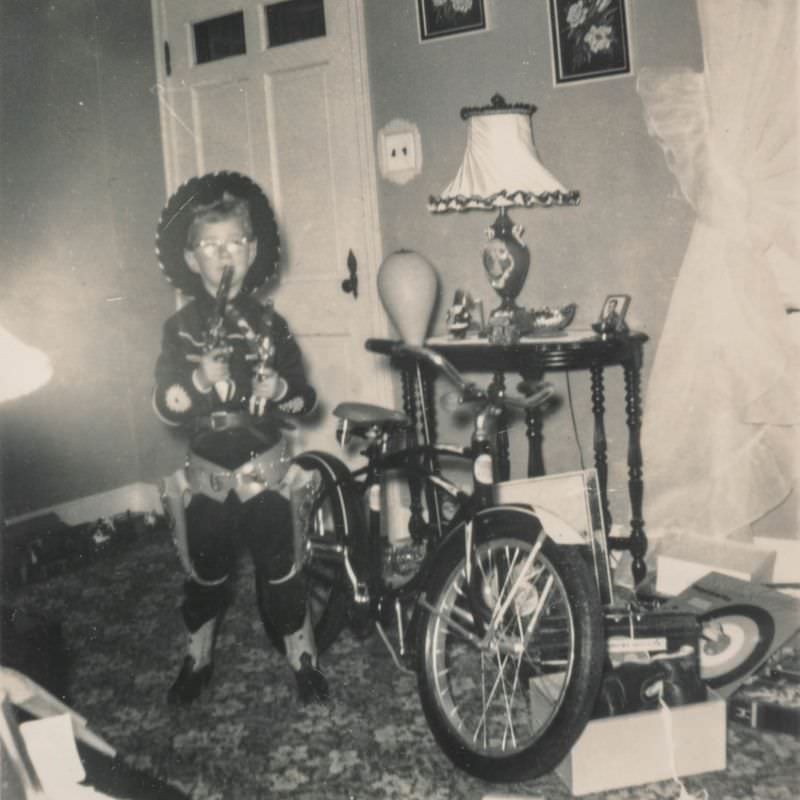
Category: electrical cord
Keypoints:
(574, 422)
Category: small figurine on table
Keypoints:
(459, 315)
(504, 327)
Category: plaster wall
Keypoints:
(628, 235)
(82, 186)
(81, 190)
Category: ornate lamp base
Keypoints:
(506, 260)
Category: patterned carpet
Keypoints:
(246, 738)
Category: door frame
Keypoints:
(368, 178)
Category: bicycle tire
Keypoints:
(334, 515)
(521, 737)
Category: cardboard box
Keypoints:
(765, 716)
(645, 747)
(571, 499)
(684, 560)
(787, 557)
(770, 699)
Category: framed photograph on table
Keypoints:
(439, 18)
(590, 40)
(612, 314)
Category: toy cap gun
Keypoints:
(215, 338)
(262, 350)
(266, 357)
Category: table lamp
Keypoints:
(26, 367)
(501, 169)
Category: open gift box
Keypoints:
(638, 736)
(647, 746)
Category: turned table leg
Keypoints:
(503, 460)
(600, 445)
(533, 430)
(633, 408)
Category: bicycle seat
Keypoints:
(368, 414)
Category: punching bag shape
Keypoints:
(408, 286)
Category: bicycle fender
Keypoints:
(554, 526)
(336, 469)
(557, 528)
(317, 459)
(524, 516)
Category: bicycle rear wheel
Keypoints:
(510, 652)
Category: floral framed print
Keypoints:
(439, 18)
(590, 40)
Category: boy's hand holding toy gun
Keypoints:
(213, 364)
(267, 384)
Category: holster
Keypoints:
(269, 470)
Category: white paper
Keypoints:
(52, 749)
(50, 743)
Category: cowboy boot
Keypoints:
(197, 666)
(301, 653)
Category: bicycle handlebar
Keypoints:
(399, 349)
(469, 391)
(386, 347)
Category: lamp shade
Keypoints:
(501, 167)
(25, 367)
(408, 286)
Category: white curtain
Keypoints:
(720, 432)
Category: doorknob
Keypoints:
(351, 284)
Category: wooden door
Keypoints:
(279, 92)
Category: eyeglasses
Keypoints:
(211, 247)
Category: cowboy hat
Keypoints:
(177, 216)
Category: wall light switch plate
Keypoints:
(399, 151)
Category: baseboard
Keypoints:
(139, 498)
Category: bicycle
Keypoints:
(500, 618)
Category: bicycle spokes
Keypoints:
(501, 688)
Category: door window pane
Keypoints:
(294, 20)
(219, 37)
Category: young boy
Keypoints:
(228, 363)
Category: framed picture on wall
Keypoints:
(590, 40)
(439, 18)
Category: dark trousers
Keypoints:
(216, 532)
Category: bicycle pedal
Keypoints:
(408, 658)
(361, 622)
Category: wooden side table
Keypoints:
(531, 358)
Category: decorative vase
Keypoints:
(506, 259)
(408, 286)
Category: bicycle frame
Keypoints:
(369, 588)
(368, 482)
(493, 602)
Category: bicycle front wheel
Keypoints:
(510, 650)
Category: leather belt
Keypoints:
(224, 421)
(264, 471)
(219, 421)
